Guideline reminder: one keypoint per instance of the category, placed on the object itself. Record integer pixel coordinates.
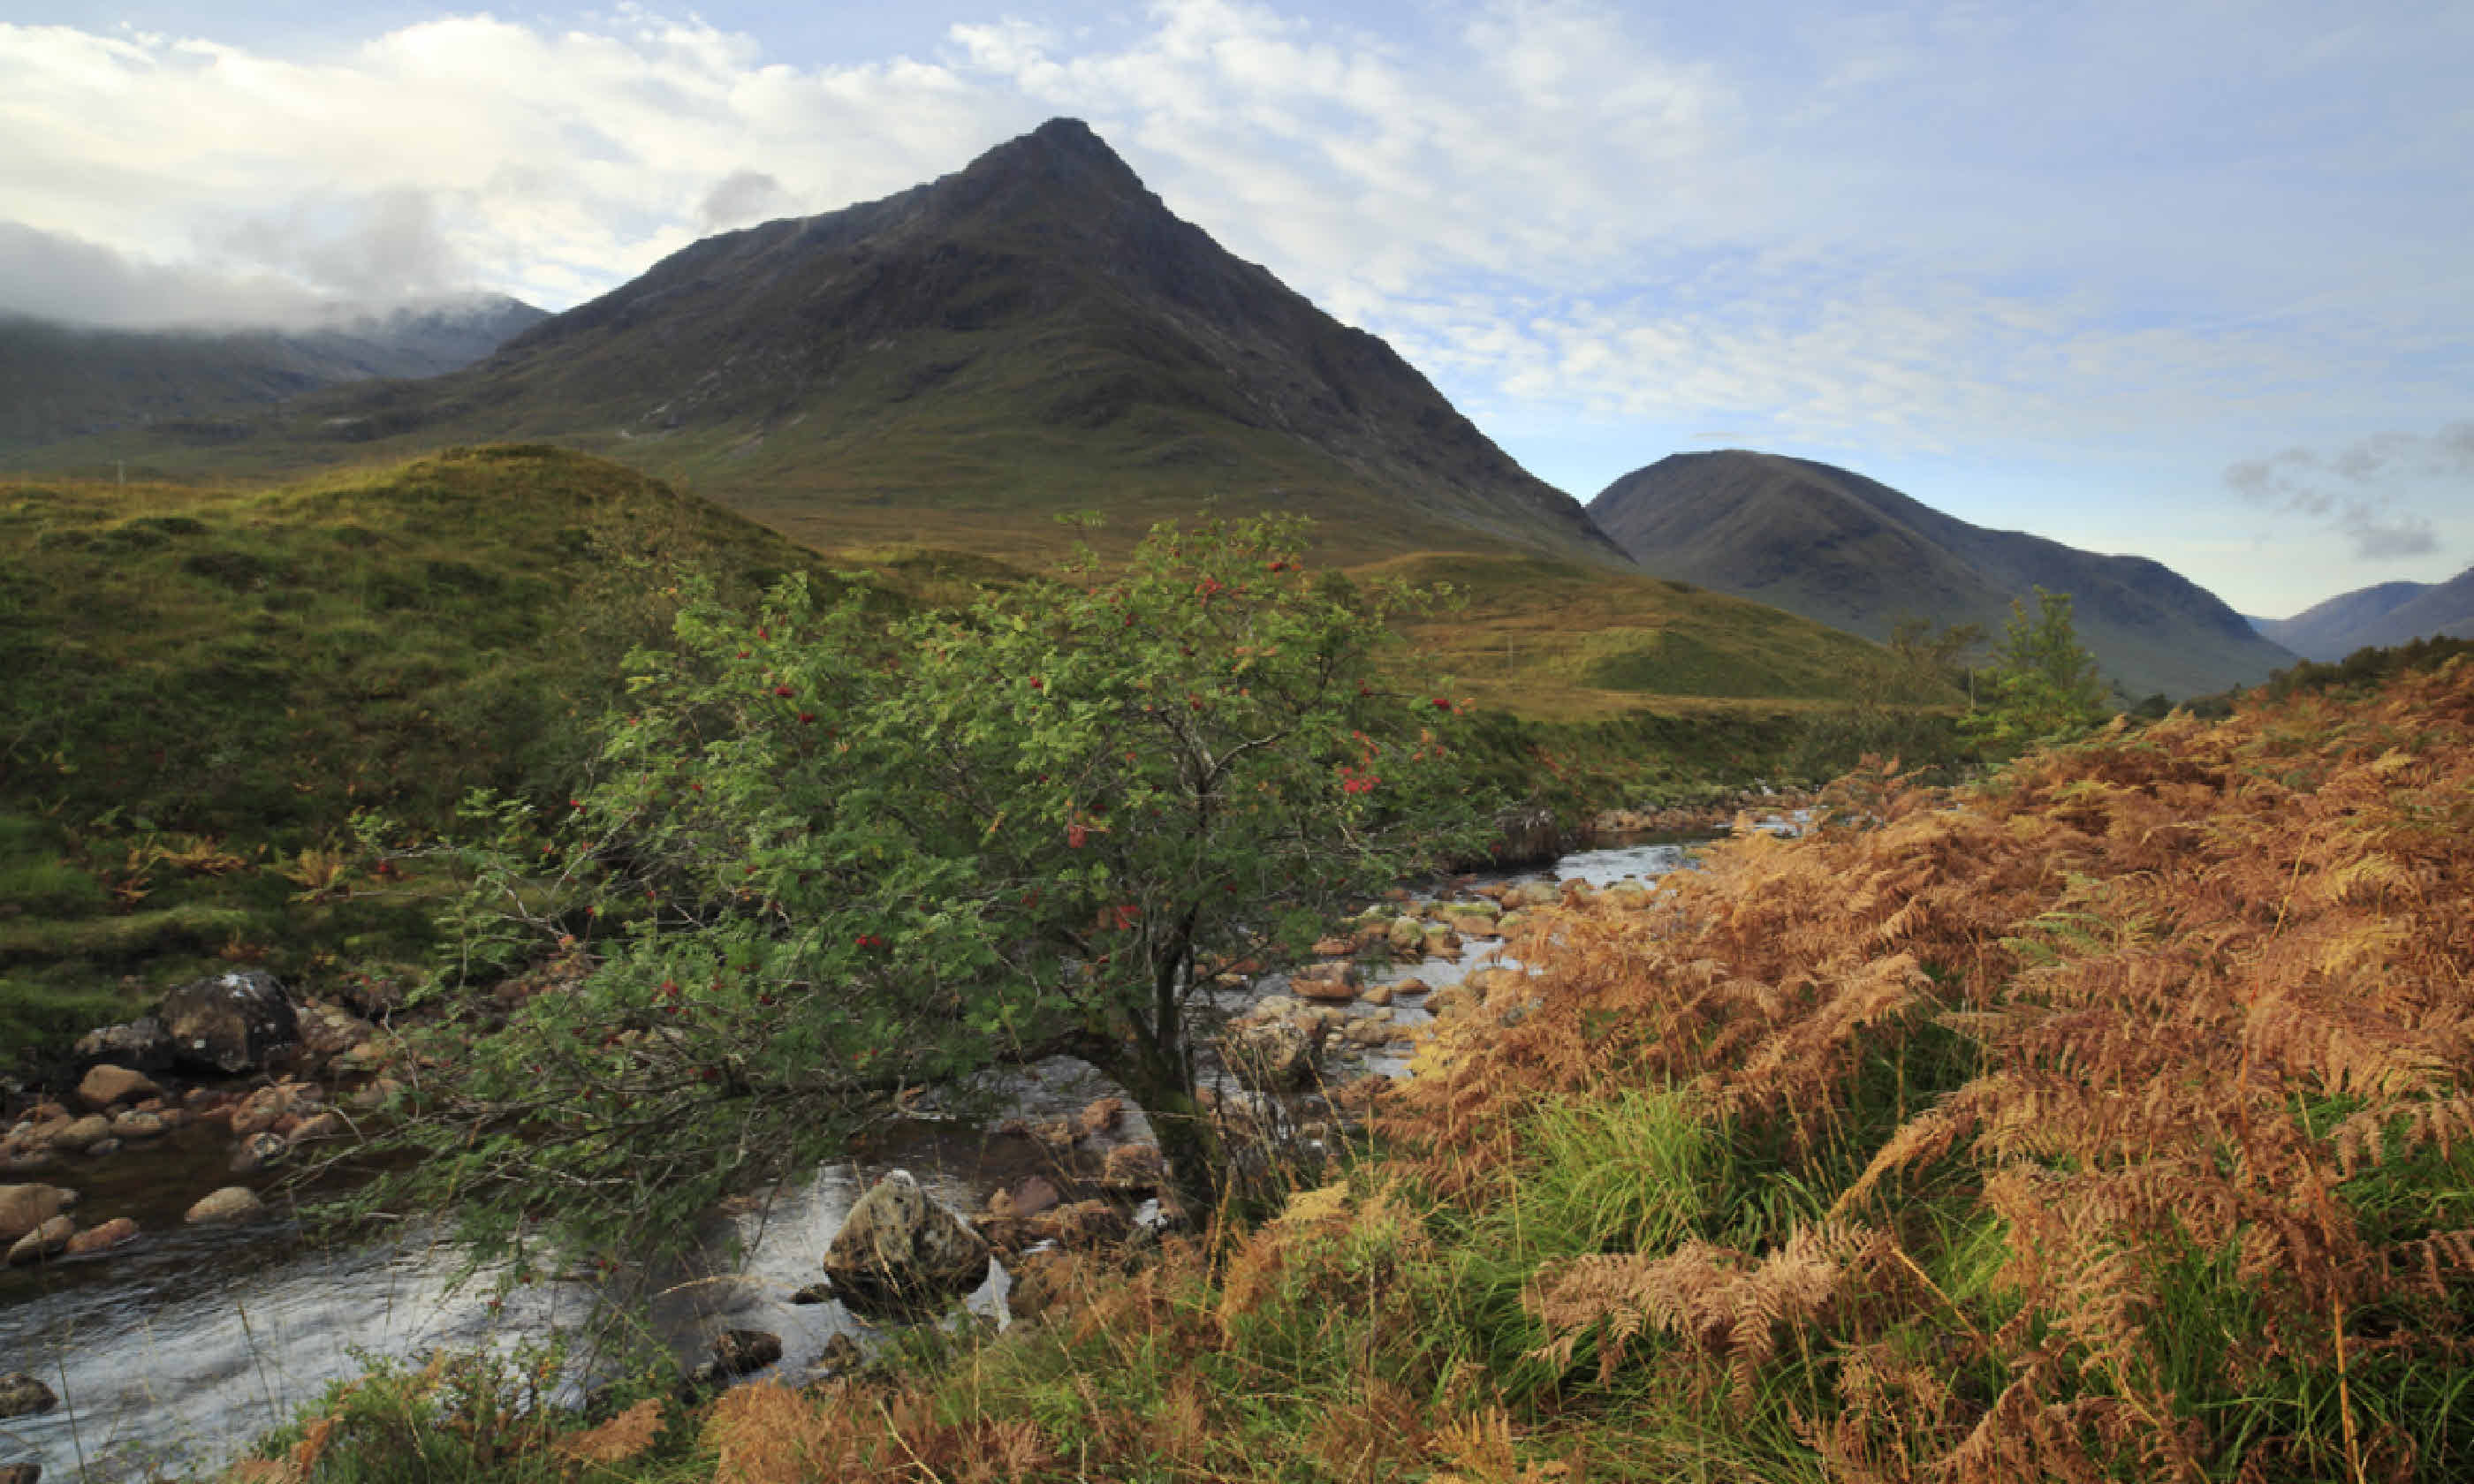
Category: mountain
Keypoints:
(1034, 335)
(62, 381)
(1848, 551)
(2382, 616)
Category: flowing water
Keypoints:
(171, 1353)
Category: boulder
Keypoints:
(142, 1044)
(262, 1110)
(23, 1396)
(24, 1207)
(83, 1133)
(899, 1252)
(1406, 935)
(41, 1242)
(746, 1351)
(1334, 947)
(1472, 925)
(21, 1473)
(231, 1022)
(1272, 1056)
(232, 1202)
(105, 1085)
(102, 1238)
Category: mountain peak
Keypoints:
(1063, 154)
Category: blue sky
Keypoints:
(2188, 280)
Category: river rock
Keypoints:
(1333, 981)
(21, 1473)
(231, 1022)
(746, 1351)
(143, 1044)
(1472, 925)
(899, 1252)
(258, 1151)
(232, 1202)
(23, 1396)
(326, 1125)
(1406, 934)
(102, 1238)
(24, 1207)
(105, 1085)
(1370, 1031)
(1380, 994)
(1334, 947)
(329, 1030)
(139, 1125)
(41, 1242)
(261, 1110)
(1272, 1056)
(83, 1133)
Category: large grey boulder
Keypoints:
(901, 1253)
(231, 1022)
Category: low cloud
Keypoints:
(742, 197)
(54, 276)
(2357, 490)
(381, 249)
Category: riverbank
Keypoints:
(1815, 1163)
(189, 1340)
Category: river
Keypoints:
(173, 1352)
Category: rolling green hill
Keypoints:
(205, 685)
(1857, 555)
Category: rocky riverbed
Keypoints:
(163, 1299)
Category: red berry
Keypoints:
(782, 691)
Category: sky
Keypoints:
(2187, 278)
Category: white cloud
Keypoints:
(1933, 227)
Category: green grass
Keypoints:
(205, 683)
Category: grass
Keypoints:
(206, 683)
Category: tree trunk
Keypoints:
(1189, 1139)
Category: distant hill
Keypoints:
(1031, 336)
(2378, 616)
(63, 381)
(1848, 551)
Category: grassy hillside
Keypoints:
(1854, 553)
(2105, 1122)
(206, 683)
(1556, 640)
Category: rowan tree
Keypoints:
(829, 858)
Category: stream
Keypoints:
(172, 1354)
